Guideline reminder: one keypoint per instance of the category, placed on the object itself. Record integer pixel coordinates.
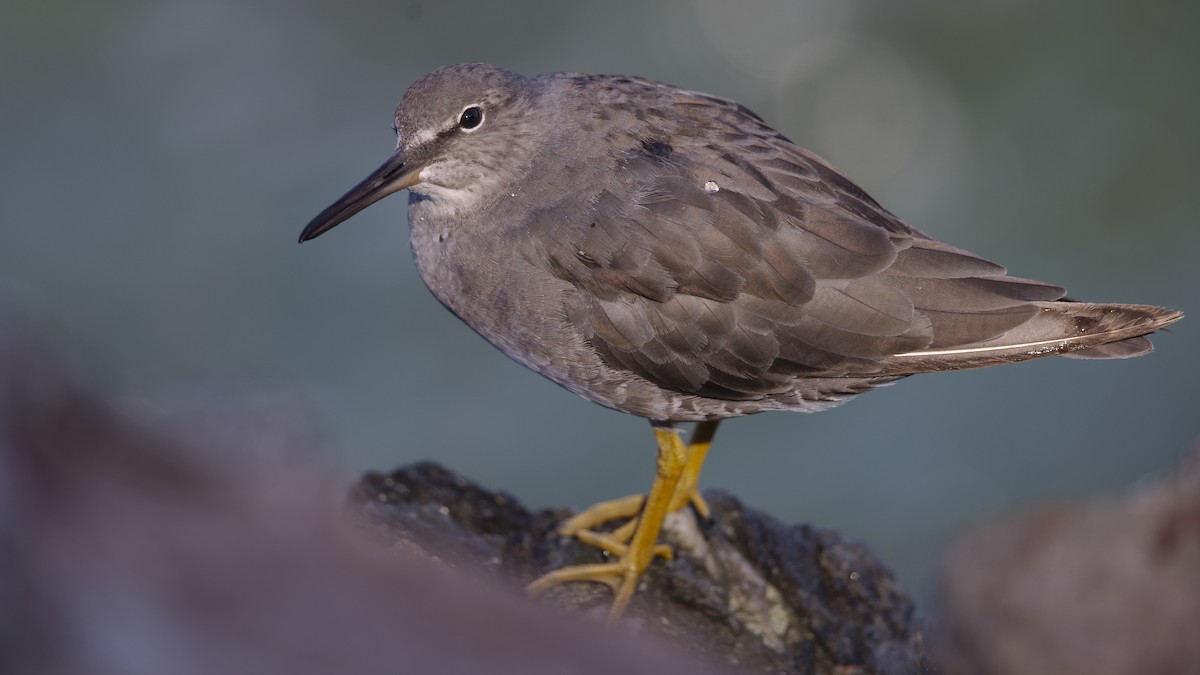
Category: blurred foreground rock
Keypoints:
(1107, 587)
(138, 538)
(125, 550)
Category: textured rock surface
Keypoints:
(743, 590)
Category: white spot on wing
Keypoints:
(711, 187)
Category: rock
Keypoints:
(743, 589)
(1111, 586)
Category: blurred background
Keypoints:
(160, 158)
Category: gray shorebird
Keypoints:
(668, 254)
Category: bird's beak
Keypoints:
(395, 175)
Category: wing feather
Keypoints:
(786, 270)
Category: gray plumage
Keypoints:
(667, 254)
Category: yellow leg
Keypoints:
(688, 491)
(583, 524)
(623, 574)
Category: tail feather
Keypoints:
(1079, 329)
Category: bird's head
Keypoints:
(462, 134)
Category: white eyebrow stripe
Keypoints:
(423, 136)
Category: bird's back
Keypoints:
(724, 265)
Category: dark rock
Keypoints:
(742, 590)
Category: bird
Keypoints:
(668, 254)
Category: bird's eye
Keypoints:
(471, 118)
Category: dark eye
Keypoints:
(471, 118)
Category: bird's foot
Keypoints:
(585, 526)
(634, 543)
(620, 575)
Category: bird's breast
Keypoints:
(487, 275)
(480, 275)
